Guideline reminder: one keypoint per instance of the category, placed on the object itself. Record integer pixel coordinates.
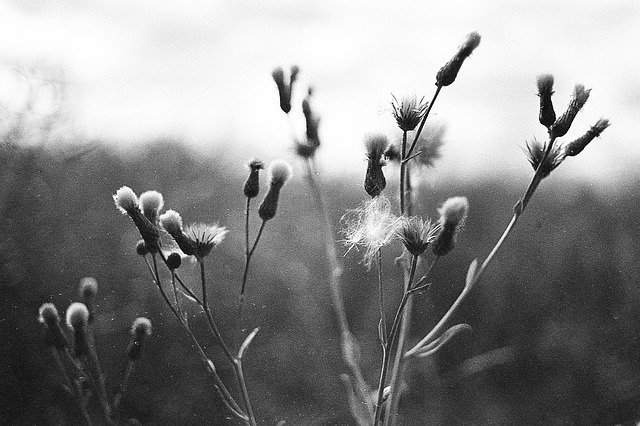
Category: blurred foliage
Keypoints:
(555, 319)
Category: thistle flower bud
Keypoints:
(141, 248)
(171, 221)
(416, 234)
(174, 261)
(536, 156)
(408, 112)
(576, 147)
(453, 213)
(126, 200)
(77, 320)
(547, 115)
(279, 172)
(151, 203)
(284, 89)
(48, 315)
(252, 185)
(563, 123)
(308, 148)
(140, 332)
(88, 290)
(448, 73)
(374, 181)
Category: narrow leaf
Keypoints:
(247, 342)
(440, 342)
(471, 273)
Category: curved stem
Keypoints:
(248, 259)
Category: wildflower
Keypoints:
(563, 123)
(453, 213)
(547, 115)
(195, 240)
(371, 226)
(448, 73)
(88, 290)
(408, 112)
(151, 203)
(285, 87)
(576, 147)
(416, 234)
(77, 320)
(374, 181)
(536, 156)
(127, 202)
(279, 172)
(140, 332)
(252, 185)
(48, 315)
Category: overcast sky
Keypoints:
(200, 70)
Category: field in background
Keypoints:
(559, 307)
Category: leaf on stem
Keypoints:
(247, 342)
(471, 273)
(456, 331)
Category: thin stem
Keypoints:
(123, 387)
(73, 387)
(246, 228)
(403, 165)
(248, 259)
(186, 289)
(175, 291)
(245, 393)
(99, 376)
(383, 320)
(424, 119)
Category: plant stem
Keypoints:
(383, 320)
(518, 211)
(403, 166)
(424, 119)
(248, 261)
(246, 228)
(125, 381)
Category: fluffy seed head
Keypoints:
(141, 326)
(151, 203)
(416, 234)
(408, 112)
(48, 315)
(454, 211)
(279, 172)
(77, 316)
(172, 222)
(126, 200)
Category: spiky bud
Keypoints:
(575, 147)
(141, 248)
(77, 320)
(174, 261)
(88, 290)
(151, 203)
(448, 73)
(279, 172)
(408, 112)
(252, 185)
(453, 213)
(416, 234)
(48, 315)
(374, 180)
(140, 332)
(563, 123)
(547, 115)
(536, 151)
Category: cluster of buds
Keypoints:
(144, 212)
(285, 87)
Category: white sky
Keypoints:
(201, 70)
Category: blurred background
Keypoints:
(177, 97)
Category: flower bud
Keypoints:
(408, 112)
(576, 147)
(88, 290)
(48, 315)
(126, 200)
(448, 73)
(452, 216)
(252, 185)
(77, 320)
(141, 248)
(563, 123)
(279, 171)
(140, 332)
(312, 121)
(284, 89)
(374, 181)
(174, 261)
(416, 234)
(151, 203)
(547, 115)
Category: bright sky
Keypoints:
(200, 70)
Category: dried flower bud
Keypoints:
(151, 203)
(374, 181)
(174, 261)
(126, 200)
(171, 221)
(448, 73)
(563, 123)
(48, 315)
(576, 147)
(141, 248)
(77, 320)
(279, 171)
(547, 115)
(88, 290)
(284, 89)
(453, 213)
(408, 112)
(252, 185)
(140, 332)
(416, 234)
(536, 156)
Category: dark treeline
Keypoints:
(555, 319)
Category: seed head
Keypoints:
(453, 213)
(48, 315)
(416, 234)
(126, 200)
(576, 147)
(77, 316)
(374, 181)
(408, 112)
(547, 115)
(448, 73)
(279, 172)
(172, 222)
(252, 185)
(563, 123)
(174, 261)
(140, 331)
(141, 326)
(535, 154)
(151, 203)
